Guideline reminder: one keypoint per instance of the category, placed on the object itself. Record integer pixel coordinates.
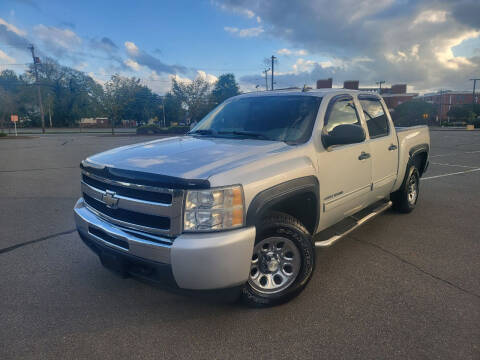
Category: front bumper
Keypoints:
(192, 261)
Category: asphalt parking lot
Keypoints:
(402, 286)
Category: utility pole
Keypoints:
(36, 61)
(473, 93)
(266, 78)
(379, 83)
(163, 107)
(273, 61)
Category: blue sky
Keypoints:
(436, 44)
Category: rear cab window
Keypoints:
(377, 122)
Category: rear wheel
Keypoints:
(283, 260)
(405, 199)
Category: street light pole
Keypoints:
(473, 93)
(273, 61)
(266, 78)
(379, 83)
(163, 107)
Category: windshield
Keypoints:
(277, 118)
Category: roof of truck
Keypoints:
(313, 92)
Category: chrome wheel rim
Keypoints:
(275, 265)
(412, 189)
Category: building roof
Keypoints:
(312, 92)
(400, 95)
(447, 92)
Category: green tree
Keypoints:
(174, 112)
(194, 96)
(412, 113)
(224, 88)
(464, 112)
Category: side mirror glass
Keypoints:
(343, 134)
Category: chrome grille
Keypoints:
(148, 209)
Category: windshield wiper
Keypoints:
(247, 134)
(202, 132)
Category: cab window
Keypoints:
(377, 122)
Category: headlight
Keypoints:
(214, 209)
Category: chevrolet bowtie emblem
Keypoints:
(109, 199)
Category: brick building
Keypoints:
(393, 96)
(445, 100)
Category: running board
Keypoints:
(354, 223)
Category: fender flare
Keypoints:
(268, 198)
(418, 149)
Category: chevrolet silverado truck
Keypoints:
(241, 201)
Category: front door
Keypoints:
(344, 170)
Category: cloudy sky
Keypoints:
(428, 44)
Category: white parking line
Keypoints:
(450, 174)
(456, 153)
(442, 155)
(464, 166)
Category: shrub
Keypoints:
(3, 134)
(154, 129)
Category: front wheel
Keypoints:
(405, 199)
(282, 263)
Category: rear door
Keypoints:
(344, 170)
(383, 146)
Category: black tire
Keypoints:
(279, 225)
(402, 198)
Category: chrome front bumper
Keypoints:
(198, 261)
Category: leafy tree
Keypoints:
(411, 113)
(464, 112)
(224, 88)
(194, 96)
(174, 112)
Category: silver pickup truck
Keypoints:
(242, 200)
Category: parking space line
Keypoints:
(456, 153)
(464, 166)
(450, 174)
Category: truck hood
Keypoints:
(188, 157)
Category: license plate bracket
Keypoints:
(114, 263)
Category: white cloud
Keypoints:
(12, 28)
(132, 64)
(430, 16)
(302, 65)
(248, 32)
(259, 19)
(405, 41)
(131, 47)
(58, 41)
(445, 54)
(6, 58)
(211, 79)
(286, 51)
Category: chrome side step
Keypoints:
(357, 222)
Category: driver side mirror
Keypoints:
(343, 134)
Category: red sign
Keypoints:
(14, 118)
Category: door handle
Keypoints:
(363, 156)
(392, 147)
